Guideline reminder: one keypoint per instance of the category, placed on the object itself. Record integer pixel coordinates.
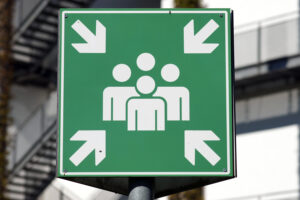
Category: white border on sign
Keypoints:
(143, 173)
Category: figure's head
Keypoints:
(121, 72)
(170, 72)
(145, 61)
(145, 84)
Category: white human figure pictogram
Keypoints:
(177, 98)
(146, 114)
(115, 98)
(145, 61)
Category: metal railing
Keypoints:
(24, 8)
(31, 130)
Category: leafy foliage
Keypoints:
(188, 4)
(195, 194)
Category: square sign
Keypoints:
(145, 93)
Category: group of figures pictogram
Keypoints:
(146, 107)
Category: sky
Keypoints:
(245, 12)
(249, 11)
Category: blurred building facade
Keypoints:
(32, 152)
(267, 75)
(267, 58)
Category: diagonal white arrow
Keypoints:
(94, 43)
(194, 140)
(95, 140)
(194, 43)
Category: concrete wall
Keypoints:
(57, 193)
(267, 163)
(267, 40)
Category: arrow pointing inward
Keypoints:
(194, 140)
(193, 43)
(94, 43)
(95, 140)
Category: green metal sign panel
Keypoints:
(145, 93)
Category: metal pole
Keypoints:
(141, 189)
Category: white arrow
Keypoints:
(94, 43)
(95, 140)
(193, 43)
(194, 140)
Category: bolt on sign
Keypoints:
(146, 92)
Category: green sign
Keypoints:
(145, 93)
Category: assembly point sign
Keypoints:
(145, 93)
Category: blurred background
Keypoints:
(267, 91)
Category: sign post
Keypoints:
(146, 93)
(141, 189)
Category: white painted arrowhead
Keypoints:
(95, 140)
(194, 43)
(194, 140)
(95, 43)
